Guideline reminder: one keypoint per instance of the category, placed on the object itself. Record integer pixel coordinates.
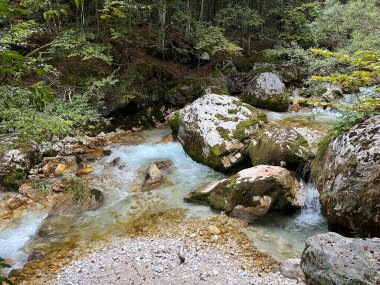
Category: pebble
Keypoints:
(155, 261)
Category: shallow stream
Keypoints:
(127, 208)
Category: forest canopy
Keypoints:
(60, 59)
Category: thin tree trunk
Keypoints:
(97, 17)
(202, 11)
(82, 13)
(162, 24)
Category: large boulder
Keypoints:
(281, 146)
(347, 173)
(266, 90)
(333, 259)
(215, 129)
(253, 192)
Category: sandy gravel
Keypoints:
(155, 261)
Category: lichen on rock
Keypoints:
(266, 90)
(253, 192)
(214, 130)
(280, 146)
(347, 174)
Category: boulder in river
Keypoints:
(280, 146)
(347, 174)
(253, 192)
(266, 90)
(333, 259)
(214, 130)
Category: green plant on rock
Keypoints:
(77, 188)
(4, 279)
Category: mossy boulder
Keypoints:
(347, 174)
(253, 192)
(186, 91)
(215, 129)
(280, 146)
(266, 90)
(173, 121)
(16, 162)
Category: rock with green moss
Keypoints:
(347, 174)
(15, 164)
(280, 146)
(186, 91)
(215, 129)
(173, 121)
(266, 90)
(253, 192)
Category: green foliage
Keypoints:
(296, 20)
(73, 43)
(76, 187)
(363, 68)
(211, 39)
(235, 18)
(354, 25)
(10, 62)
(26, 120)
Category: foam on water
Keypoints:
(278, 234)
(14, 238)
(184, 176)
(284, 236)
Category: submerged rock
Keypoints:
(253, 192)
(280, 146)
(333, 259)
(347, 175)
(266, 90)
(214, 130)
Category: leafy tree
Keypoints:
(296, 22)
(212, 40)
(242, 19)
(353, 25)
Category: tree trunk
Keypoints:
(202, 11)
(162, 24)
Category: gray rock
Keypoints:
(252, 192)
(153, 175)
(16, 163)
(280, 146)
(331, 92)
(290, 268)
(266, 90)
(333, 259)
(347, 174)
(214, 130)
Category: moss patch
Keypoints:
(174, 122)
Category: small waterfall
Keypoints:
(311, 213)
